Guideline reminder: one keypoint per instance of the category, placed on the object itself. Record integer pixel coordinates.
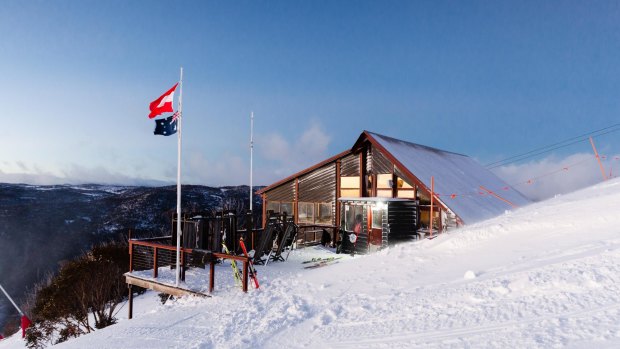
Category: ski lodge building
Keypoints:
(389, 182)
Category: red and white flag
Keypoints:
(163, 104)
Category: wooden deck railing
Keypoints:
(147, 254)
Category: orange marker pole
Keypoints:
(598, 158)
(432, 196)
(499, 197)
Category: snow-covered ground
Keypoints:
(543, 276)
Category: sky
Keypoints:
(483, 78)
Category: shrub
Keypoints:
(92, 284)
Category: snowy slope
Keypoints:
(543, 276)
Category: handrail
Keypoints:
(156, 246)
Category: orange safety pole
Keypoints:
(432, 196)
(499, 197)
(599, 159)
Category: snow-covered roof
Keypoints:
(453, 174)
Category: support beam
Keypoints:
(337, 204)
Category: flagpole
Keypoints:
(251, 155)
(179, 232)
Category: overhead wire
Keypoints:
(554, 146)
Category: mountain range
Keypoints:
(42, 226)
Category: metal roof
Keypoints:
(457, 178)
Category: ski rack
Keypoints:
(266, 241)
(287, 239)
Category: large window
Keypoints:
(384, 185)
(350, 186)
(405, 190)
(352, 213)
(287, 207)
(280, 207)
(324, 215)
(306, 212)
(315, 213)
(273, 206)
(377, 216)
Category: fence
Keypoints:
(146, 254)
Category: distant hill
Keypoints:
(40, 226)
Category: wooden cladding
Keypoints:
(350, 165)
(380, 163)
(284, 192)
(318, 185)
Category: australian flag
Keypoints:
(167, 126)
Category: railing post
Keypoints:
(245, 275)
(211, 275)
(155, 262)
(130, 256)
(130, 301)
(182, 265)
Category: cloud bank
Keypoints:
(545, 178)
(275, 157)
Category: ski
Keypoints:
(319, 259)
(233, 264)
(253, 274)
(321, 264)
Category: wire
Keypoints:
(554, 146)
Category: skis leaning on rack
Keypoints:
(233, 264)
(251, 269)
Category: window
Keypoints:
(377, 216)
(384, 185)
(273, 206)
(324, 213)
(306, 212)
(405, 190)
(287, 207)
(351, 213)
(425, 199)
(350, 186)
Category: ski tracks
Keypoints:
(577, 291)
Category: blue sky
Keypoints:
(484, 78)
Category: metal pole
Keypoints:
(430, 230)
(180, 121)
(251, 156)
(11, 299)
(598, 158)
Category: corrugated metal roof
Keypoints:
(454, 174)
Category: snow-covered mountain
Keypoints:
(546, 275)
(42, 225)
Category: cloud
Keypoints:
(228, 169)
(76, 174)
(545, 178)
(285, 157)
(276, 156)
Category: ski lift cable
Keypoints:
(554, 146)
